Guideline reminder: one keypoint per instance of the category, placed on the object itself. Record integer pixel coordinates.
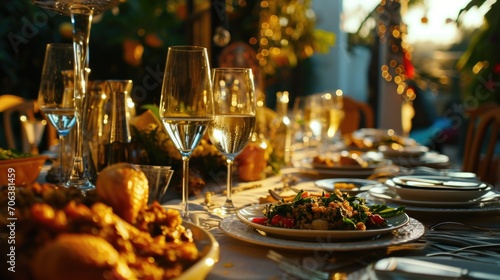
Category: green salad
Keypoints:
(11, 154)
(330, 211)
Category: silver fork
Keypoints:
(295, 269)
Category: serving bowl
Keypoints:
(21, 171)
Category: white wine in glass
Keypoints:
(234, 119)
(55, 95)
(186, 104)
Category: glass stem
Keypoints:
(61, 160)
(229, 184)
(185, 187)
(81, 18)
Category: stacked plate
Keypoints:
(436, 191)
(437, 188)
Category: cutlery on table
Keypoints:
(422, 182)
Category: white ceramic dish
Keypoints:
(208, 247)
(361, 185)
(386, 194)
(488, 204)
(438, 183)
(237, 229)
(438, 194)
(305, 166)
(403, 151)
(247, 214)
(429, 159)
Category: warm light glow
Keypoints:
(433, 22)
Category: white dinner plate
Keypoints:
(305, 166)
(438, 195)
(489, 204)
(237, 229)
(429, 159)
(247, 214)
(361, 185)
(386, 194)
(403, 151)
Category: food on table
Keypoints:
(344, 186)
(92, 256)
(344, 158)
(124, 187)
(11, 154)
(331, 211)
(63, 234)
(371, 142)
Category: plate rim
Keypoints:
(421, 203)
(480, 184)
(337, 235)
(201, 267)
(369, 183)
(253, 237)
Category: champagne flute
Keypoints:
(334, 114)
(55, 95)
(186, 104)
(234, 119)
(81, 12)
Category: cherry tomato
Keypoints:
(305, 194)
(276, 220)
(288, 222)
(376, 219)
(260, 220)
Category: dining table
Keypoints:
(434, 233)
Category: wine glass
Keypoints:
(334, 114)
(186, 104)
(81, 12)
(234, 118)
(302, 132)
(55, 96)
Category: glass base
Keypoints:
(227, 209)
(83, 185)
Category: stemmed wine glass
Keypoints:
(186, 104)
(81, 12)
(55, 95)
(234, 118)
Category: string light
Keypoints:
(393, 32)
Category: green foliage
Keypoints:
(480, 64)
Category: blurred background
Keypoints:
(438, 54)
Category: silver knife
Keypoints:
(420, 182)
(418, 268)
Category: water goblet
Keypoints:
(186, 104)
(81, 13)
(55, 95)
(234, 119)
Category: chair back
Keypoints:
(12, 124)
(481, 141)
(26, 108)
(357, 115)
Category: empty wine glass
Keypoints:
(81, 13)
(234, 118)
(55, 95)
(186, 104)
(33, 130)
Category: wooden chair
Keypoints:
(481, 141)
(357, 115)
(16, 108)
